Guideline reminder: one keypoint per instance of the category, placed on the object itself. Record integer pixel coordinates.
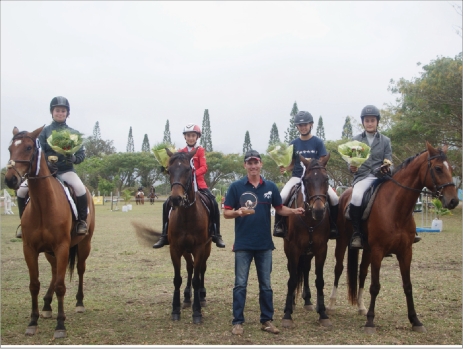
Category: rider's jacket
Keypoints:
(199, 161)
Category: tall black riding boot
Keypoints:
(356, 241)
(163, 240)
(21, 206)
(333, 218)
(279, 226)
(217, 238)
(82, 208)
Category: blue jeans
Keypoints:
(263, 262)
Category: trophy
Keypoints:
(248, 202)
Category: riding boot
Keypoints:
(82, 209)
(333, 218)
(216, 237)
(21, 206)
(417, 238)
(356, 241)
(163, 240)
(279, 226)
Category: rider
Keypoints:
(60, 109)
(309, 146)
(375, 166)
(192, 133)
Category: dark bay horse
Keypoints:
(47, 223)
(390, 228)
(152, 195)
(308, 237)
(140, 198)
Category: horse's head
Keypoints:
(315, 183)
(23, 157)
(181, 177)
(440, 181)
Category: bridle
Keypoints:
(186, 189)
(313, 198)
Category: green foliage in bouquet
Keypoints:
(65, 142)
(439, 209)
(281, 153)
(354, 153)
(159, 151)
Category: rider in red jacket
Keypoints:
(192, 133)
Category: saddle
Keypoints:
(210, 207)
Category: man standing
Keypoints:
(253, 238)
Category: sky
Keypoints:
(139, 64)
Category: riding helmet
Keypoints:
(303, 117)
(192, 128)
(370, 110)
(60, 102)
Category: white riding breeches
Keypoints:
(70, 177)
(359, 189)
(334, 200)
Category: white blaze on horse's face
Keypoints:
(18, 142)
(446, 164)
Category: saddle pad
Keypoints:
(71, 201)
(367, 202)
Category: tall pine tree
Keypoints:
(146, 144)
(320, 129)
(247, 143)
(206, 139)
(274, 137)
(166, 138)
(96, 132)
(291, 133)
(130, 145)
(347, 129)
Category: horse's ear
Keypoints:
(169, 152)
(324, 159)
(36, 133)
(15, 131)
(305, 161)
(431, 150)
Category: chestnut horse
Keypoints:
(308, 237)
(390, 228)
(140, 198)
(47, 226)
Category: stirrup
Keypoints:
(82, 228)
(278, 231)
(19, 232)
(417, 239)
(356, 242)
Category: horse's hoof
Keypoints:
(287, 323)
(309, 307)
(325, 322)
(186, 305)
(175, 317)
(369, 330)
(80, 309)
(203, 303)
(31, 330)
(420, 329)
(46, 314)
(197, 319)
(59, 334)
(362, 312)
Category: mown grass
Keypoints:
(128, 293)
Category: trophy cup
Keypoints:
(248, 202)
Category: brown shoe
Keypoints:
(237, 329)
(268, 326)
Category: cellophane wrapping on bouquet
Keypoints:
(64, 142)
(354, 153)
(281, 153)
(160, 153)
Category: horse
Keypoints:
(140, 198)
(188, 234)
(390, 229)
(308, 237)
(48, 227)
(152, 196)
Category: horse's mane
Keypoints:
(411, 158)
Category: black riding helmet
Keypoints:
(303, 117)
(59, 102)
(370, 110)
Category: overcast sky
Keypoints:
(139, 64)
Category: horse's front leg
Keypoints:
(62, 257)
(32, 257)
(374, 291)
(197, 316)
(320, 258)
(83, 253)
(306, 294)
(177, 283)
(340, 251)
(292, 285)
(48, 298)
(187, 291)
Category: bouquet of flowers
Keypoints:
(65, 142)
(160, 153)
(281, 153)
(354, 153)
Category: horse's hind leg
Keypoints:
(177, 284)
(31, 257)
(62, 256)
(83, 251)
(47, 310)
(187, 291)
(320, 258)
(374, 291)
(404, 263)
(292, 285)
(306, 294)
(363, 272)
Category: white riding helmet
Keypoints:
(192, 128)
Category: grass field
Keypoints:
(128, 293)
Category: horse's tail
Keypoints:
(72, 260)
(146, 235)
(352, 274)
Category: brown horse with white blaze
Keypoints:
(390, 228)
(47, 226)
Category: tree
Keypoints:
(95, 146)
(145, 147)
(166, 138)
(291, 133)
(96, 131)
(347, 129)
(206, 140)
(247, 142)
(320, 128)
(130, 146)
(274, 137)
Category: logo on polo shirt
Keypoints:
(268, 195)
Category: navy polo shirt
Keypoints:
(252, 232)
(311, 148)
